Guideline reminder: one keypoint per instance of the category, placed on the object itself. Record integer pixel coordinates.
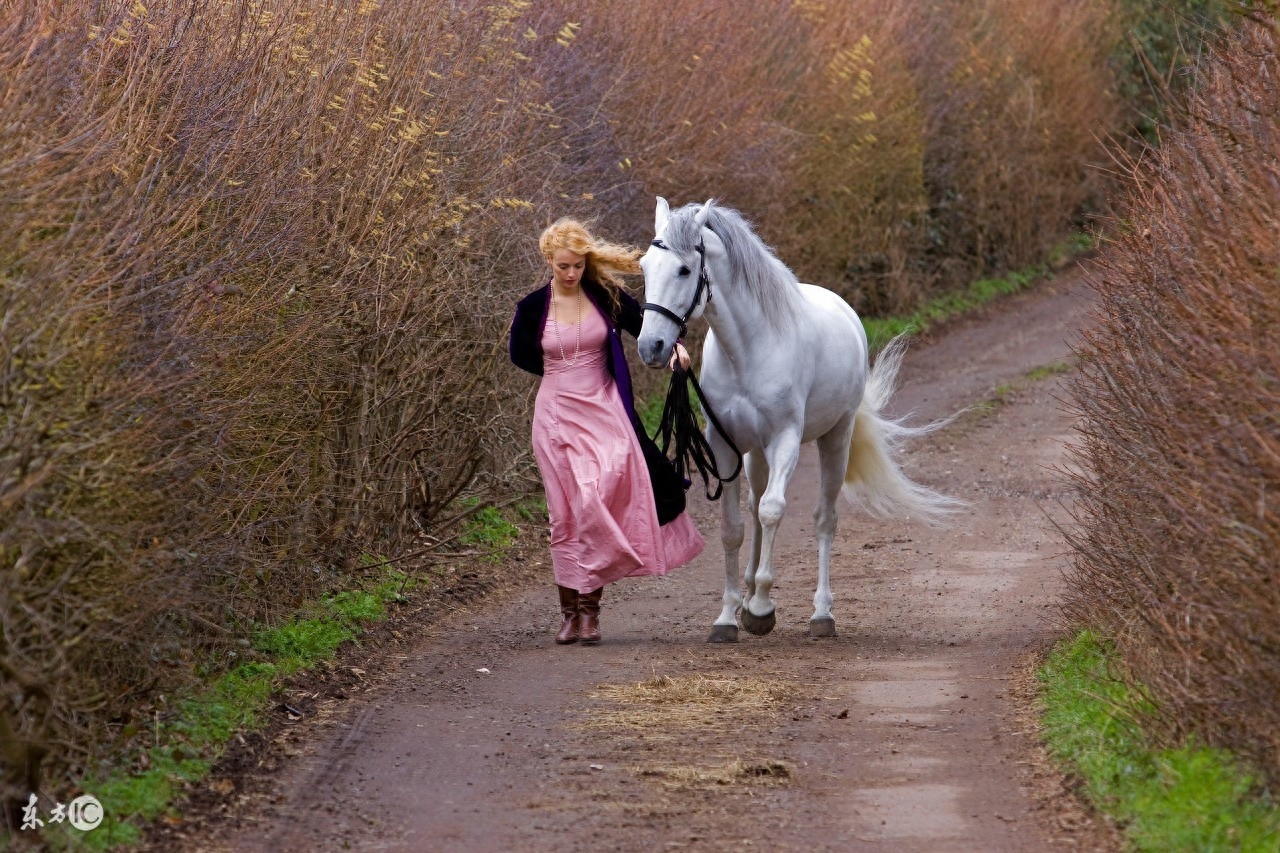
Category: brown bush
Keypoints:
(1015, 98)
(243, 343)
(886, 150)
(1178, 543)
(257, 262)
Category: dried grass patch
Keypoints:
(686, 701)
(686, 777)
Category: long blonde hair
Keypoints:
(606, 262)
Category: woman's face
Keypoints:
(567, 268)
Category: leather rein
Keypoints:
(679, 424)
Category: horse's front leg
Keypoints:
(757, 473)
(725, 629)
(781, 456)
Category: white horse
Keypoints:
(784, 363)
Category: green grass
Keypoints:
(1192, 798)
(880, 330)
(489, 531)
(1070, 249)
(1044, 371)
(650, 412)
(532, 510)
(1004, 393)
(186, 746)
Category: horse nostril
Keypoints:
(658, 346)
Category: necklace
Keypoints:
(577, 347)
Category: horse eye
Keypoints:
(684, 270)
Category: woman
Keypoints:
(591, 449)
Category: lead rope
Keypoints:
(679, 424)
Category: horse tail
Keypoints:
(874, 478)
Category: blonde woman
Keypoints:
(616, 507)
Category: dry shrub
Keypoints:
(257, 262)
(1016, 99)
(682, 102)
(243, 337)
(886, 150)
(1178, 539)
(1162, 39)
(858, 207)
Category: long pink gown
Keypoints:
(603, 523)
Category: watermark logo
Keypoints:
(29, 814)
(84, 813)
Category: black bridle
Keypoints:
(704, 283)
(679, 424)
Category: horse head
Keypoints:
(675, 283)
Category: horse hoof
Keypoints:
(723, 634)
(822, 627)
(758, 625)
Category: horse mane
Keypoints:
(768, 280)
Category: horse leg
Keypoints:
(833, 457)
(725, 628)
(781, 455)
(757, 474)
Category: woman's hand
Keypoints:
(678, 352)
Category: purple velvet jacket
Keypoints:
(525, 347)
(531, 317)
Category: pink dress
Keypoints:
(603, 523)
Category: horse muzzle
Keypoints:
(654, 351)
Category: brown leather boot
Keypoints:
(589, 613)
(569, 609)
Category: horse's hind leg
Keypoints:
(833, 457)
(782, 455)
(725, 629)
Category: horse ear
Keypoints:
(700, 218)
(661, 215)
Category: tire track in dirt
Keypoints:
(902, 733)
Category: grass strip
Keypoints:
(1189, 798)
(880, 330)
(238, 700)
(186, 748)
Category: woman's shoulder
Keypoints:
(535, 296)
(614, 296)
(628, 301)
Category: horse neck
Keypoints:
(734, 315)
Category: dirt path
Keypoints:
(900, 734)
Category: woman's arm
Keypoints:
(525, 336)
(630, 314)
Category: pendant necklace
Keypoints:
(577, 347)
